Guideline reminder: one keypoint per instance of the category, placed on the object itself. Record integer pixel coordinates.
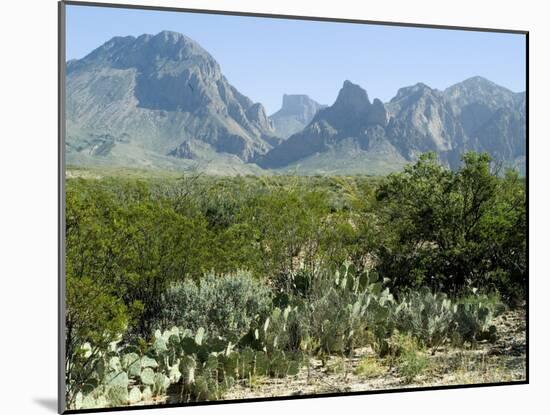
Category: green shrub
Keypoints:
(406, 353)
(287, 225)
(336, 365)
(94, 320)
(224, 305)
(453, 229)
(126, 236)
(412, 363)
(370, 367)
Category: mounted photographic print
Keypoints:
(262, 207)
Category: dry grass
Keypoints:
(369, 367)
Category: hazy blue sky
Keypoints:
(264, 58)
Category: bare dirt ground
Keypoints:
(502, 361)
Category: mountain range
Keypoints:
(296, 113)
(163, 102)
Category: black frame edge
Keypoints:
(527, 289)
(61, 404)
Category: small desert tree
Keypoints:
(450, 229)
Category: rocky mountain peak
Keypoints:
(415, 91)
(177, 46)
(352, 97)
(478, 80)
(170, 36)
(476, 90)
(377, 114)
(165, 52)
(478, 83)
(296, 112)
(298, 104)
(256, 114)
(169, 87)
(476, 102)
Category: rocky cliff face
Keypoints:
(155, 94)
(351, 117)
(422, 120)
(493, 118)
(296, 112)
(162, 101)
(473, 115)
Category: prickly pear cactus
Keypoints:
(147, 376)
(199, 336)
(160, 345)
(117, 395)
(161, 382)
(114, 364)
(131, 362)
(89, 402)
(78, 401)
(245, 363)
(114, 378)
(187, 368)
(174, 373)
(262, 364)
(147, 361)
(230, 363)
(134, 396)
(147, 394)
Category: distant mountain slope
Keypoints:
(352, 125)
(162, 102)
(376, 138)
(296, 112)
(493, 118)
(141, 100)
(422, 120)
